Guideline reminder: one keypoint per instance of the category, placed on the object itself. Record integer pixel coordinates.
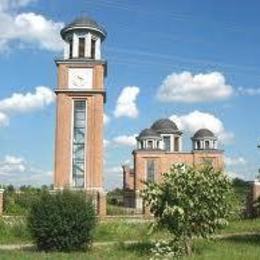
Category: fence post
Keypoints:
(1, 201)
(253, 195)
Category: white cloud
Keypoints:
(113, 177)
(196, 120)
(106, 143)
(12, 4)
(248, 91)
(12, 164)
(235, 161)
(4, 120)
(234, 174)
(185, 87)
(27, 29)
(17, 171)
(106, 119)
(22, 103)
(115, 169)
(126, 140)
(126, 103)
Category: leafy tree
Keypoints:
(190, 202)
(10, 188)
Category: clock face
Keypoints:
(80, 78)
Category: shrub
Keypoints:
(18, 203)
(190, 202)
(63, 221)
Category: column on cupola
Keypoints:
(88, 45)
(75, 53)
(98, 49)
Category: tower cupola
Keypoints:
(83, 39)
(148, 139)
(170, 135)
(204, 139)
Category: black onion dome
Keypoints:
(203, 133)
(84, 22)
(148, 133)
(165, 126)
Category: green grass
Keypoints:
(13, 232)
(113, 230)
(116, 230)
(245, 225)
(122, 230)
(238, 247)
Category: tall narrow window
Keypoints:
(81, 47)
(150, 170)
(78, 158)
(176, 144)
(93, 48)
(71, 48)
(167, 143)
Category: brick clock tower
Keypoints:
(80, 104)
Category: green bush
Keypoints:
(18, 203)
(63, 221)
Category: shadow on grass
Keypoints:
(139, 248)
(253, 239)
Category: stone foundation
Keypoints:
(253, 195)
(1, 202)
(99, 200)
(102, 204)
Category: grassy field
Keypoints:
(235, 247)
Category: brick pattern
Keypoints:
(94, 137)
(102, 204)
(164, 161)
(128, 178)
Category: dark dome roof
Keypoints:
(204, 132)
(148, 132)
(165, 126)
(84, 22)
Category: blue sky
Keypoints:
(194, 61)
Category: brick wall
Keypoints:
(164, 161)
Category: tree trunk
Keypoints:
(188, 248)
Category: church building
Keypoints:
(158, 148)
